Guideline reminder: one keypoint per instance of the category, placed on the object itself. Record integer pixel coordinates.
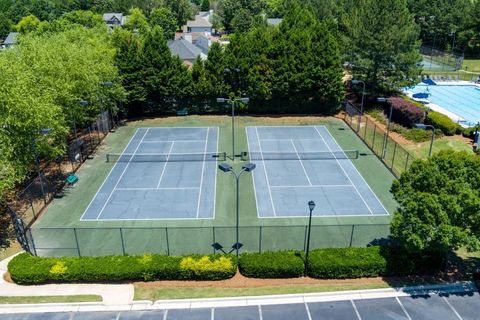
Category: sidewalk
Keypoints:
(112, 294)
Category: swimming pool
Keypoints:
(460, 100)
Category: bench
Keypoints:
(72, 179)
(183, 112)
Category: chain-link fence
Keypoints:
(198, 240)
(49, 182)
(392, 154)
(438, 60)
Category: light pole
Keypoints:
(107, 84)
(248, 167)
(385, 139)
(311, 206)
(232, 103)
(43, 132)
(356, 82)
(425, 127)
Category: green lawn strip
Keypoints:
(191, 293)
(50, 299)
(420, 150)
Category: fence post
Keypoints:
(365, 133)
(260, 241)
(121, 239)
(33, 242)
(351, 235)
(168, 245)
(406, 162)
(393, 156)
(373, 140)
(213, 230)
(76, 241)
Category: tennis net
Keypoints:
(167, 157)
(305, 155)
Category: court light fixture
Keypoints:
(248, 167)
(244, 100)
(107, 83)
(221, 100)
(311, 206)
(45, 131)
(426, 127)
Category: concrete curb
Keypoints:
(145, 305)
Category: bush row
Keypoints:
(405, 112)
(443, 123)
(28, 269)
(338, 263)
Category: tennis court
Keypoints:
(163, 173)
(301, 163)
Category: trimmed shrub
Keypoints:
(283, 264)
(28, 269)
(442, 122)
(343, 263)
(405, 112)
(468, 132)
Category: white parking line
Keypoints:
(403, 308)
(356, 310)
(308, 311)
(453, 309)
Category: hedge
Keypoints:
(283, 264)
(28, 269)
(342, 263)
(442, 122)
(405, 112)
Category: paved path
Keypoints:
(112, 294)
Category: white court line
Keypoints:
(203, 170)
(164, 188)
(315, 186)
(104, 181)
(165, 164)
(301, 163)
(216, 173)
(286, 139)
(308, 311)
(120, 178)
(361, 177)
(403, 308)
(453, 309)
(338, 162)
(356, 310)
(179, 141)
(266, 176)
(253, 173)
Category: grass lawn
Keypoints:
(50, 299)
(190, 293)
(420, 150)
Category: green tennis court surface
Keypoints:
(62, 231)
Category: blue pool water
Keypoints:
(462, 100)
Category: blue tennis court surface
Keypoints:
(163, 173)
(462, 100)
(285, 184)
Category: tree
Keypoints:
(229, 9)
(439, 201)
(6, 25)
(164, 18)
(205, 6)
(137, 21)
(28, 24)
(383, 44)
(87, 19)
(182, 9)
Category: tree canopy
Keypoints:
(439, 202)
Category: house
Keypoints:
(207, 15)
(114, 19)
(10, 41)
(274, 21)
(185, 50)
(200, 24)
(202, 40)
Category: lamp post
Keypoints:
(107, 84)
(248, 167)
(425, 127)
(356, 82)
(385, 138)
(43, 132)
(311, 206)
(232, 103)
